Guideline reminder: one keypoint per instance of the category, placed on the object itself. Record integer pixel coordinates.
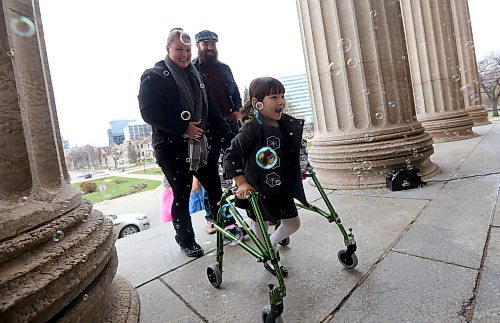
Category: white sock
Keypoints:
(287, 228)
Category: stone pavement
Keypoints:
(425, 255)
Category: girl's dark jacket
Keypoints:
(240, 157)
(159, 103)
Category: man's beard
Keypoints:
(208, 58)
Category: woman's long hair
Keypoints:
(259, 88)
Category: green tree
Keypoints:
(246, 96)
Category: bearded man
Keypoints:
(225, 93)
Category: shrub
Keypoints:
(88, 187)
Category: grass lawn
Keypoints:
(116, 187)
(490, 114)
(149, 171)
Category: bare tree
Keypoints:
(489, 79)
(116, 154)
(132, 152)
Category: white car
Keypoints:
(129, 223)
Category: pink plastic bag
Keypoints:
(166, 205)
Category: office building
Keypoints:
(137, 130)
(116, 134)
(297, 97)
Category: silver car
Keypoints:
(129, 223)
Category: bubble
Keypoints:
(202, 86)
(168, 258)
(403, 57)
(58, 236)
(351, 62)
(85, 297)
(85, 217)
(407, 161)
(467, 89)
(185, 115)
(373, 13)
(368, 137)
(188, 160)
(409, 167)
(84, 257)
(391, 104)
(356, 170)
(66, 203)
(474, 98)
(22, 200)
(184, 38)
(10, 53)
(266, 158)
(455, 78)
(259, 105)
(379, 115)
(415, 154)
(367, 165)
(469, 44)
(22, 26)
(345, 44)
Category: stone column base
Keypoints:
(360, 163)
(450, 126)
(479, 115)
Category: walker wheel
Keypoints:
(214, 275)
(265, 312)
(285, 242)
(348, 262)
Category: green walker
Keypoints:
(265, 252)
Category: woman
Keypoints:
(174, 100)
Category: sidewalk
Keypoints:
(425, 255)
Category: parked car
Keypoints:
(129, 223)
(87, 175)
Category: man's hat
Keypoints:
(206, 35)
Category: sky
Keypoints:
(98, 49)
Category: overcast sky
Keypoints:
(98, 49)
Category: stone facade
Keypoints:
(365, 121)
(57, 255)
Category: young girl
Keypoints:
(265, 125)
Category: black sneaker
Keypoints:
(193, 250)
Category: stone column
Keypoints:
(57, 256)
(467, 62)
(365, 122)
(434, 65)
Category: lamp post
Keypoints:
(143, 159)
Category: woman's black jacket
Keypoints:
(159, 104)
